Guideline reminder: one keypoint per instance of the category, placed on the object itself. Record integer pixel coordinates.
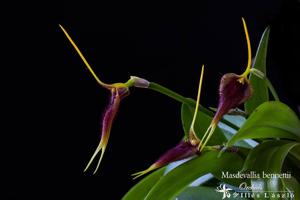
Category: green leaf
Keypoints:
(141, 189)
(237, 120)
(199, 193)
(203, 193)
(267, 159)
(201, 124)
(260, 88)
(230, 132)
(259, 157)
(294, 155)
(270, 120)
(240, 143)
(292, 184)
(170, 185)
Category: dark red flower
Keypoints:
(182, 150)
(233, 91)
(186, 148)
(118, 92)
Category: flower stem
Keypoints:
(163, 90)
(271, 88)
(262, 76)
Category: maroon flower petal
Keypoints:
(232, 93)
(234, 90)
(117, 94)
(182, 150)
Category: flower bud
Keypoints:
(139, 82)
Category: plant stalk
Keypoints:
(163, 90)
(271, 88)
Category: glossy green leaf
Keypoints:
(201, 124)
(294, 155)
(261, 156)
(203, 193)
(239, 143)
(267, 159)
(141, 189)
(230, 132)
(270, 120)
(260, 89)
(199, 193)
(170, 185)
(296, 152)
(292, 184)
(237, 120)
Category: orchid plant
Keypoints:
(262, 138)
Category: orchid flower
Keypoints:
(118, 92)
(186, 148)
(234, 90)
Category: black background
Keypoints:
(56, 105)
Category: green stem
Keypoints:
(263, 76)
(273, 91)
(163, 90)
